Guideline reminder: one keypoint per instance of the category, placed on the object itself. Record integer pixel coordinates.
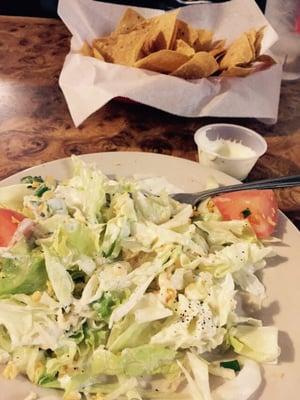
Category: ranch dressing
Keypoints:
(229, 148)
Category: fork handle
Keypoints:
(270, 183)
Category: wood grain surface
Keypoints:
(35, 125)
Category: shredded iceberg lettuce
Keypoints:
(123, 293)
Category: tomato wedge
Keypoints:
(9, 222)
(259, 207)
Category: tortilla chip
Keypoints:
(265, 58)
(164, 61)
(204, 40)
(217, 48)
(166, 24)
(154, 41)
(263, 62)
(201, 65)
(123, 49)
(238, 53)
(86, 50)
(238, 71)
(129, 22)
(258, 40)
(97, 54)
(186, 33)
(199, 39)
(251, 35)
(169, 45)
(183, 48)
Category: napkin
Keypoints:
(88, 83)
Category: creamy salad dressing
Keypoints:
(229, 148)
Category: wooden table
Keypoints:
(35, 125)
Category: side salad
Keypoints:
(108, 291)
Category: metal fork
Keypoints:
(271, 183)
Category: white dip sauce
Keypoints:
(229, 148)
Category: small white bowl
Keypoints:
(238, 167)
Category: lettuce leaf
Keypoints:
(38, 328)
(258, 343)
(12, 196)
(149, 359)
(238, 256)
(30, 361)
(134, 335)
(105, 305)
(224, 232)
(149, 308)
(142, 360)
(85, 190)
(22, 275)
(156, 209)
(59, 277)
(105, 362)
(200, 371)
(123, 309)
(242, 386)
(116, 230)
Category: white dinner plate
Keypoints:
(281, 276)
